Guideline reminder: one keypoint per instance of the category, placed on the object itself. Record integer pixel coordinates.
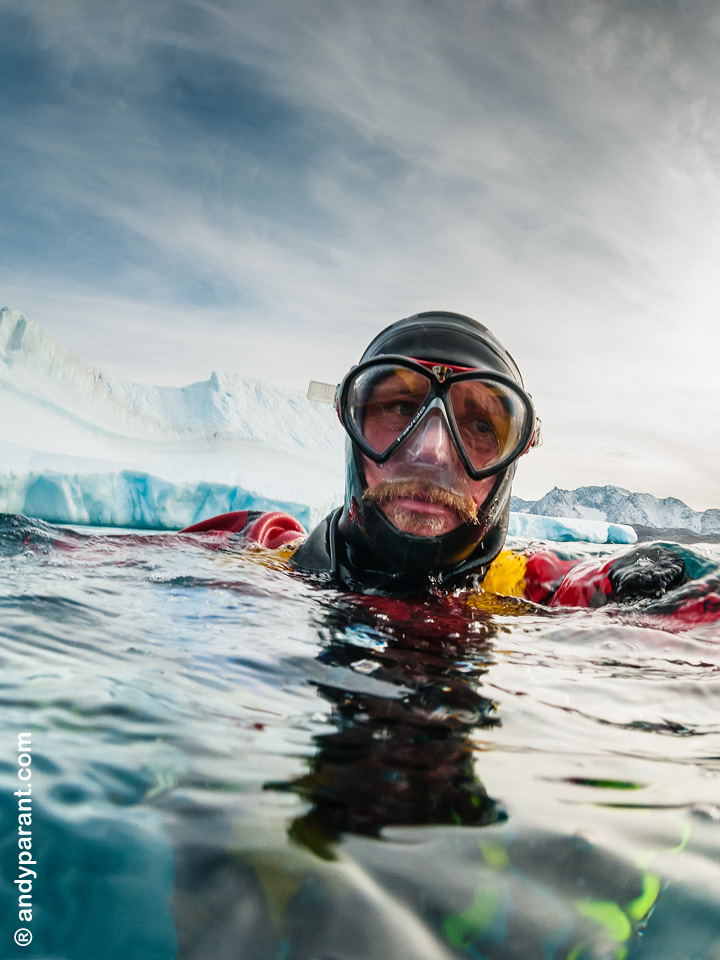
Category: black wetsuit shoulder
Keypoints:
(315, 554)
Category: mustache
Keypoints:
(388, 490)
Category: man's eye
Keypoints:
(401, 408)
(482, 426)
(406, 408)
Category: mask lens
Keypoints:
(383, 400)
(490, 418)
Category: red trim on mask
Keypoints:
(441, 363)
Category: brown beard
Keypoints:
(388, 490)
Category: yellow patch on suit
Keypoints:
(503, 588)
(506, 575)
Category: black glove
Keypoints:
(646, 572)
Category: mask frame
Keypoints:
(441, 377)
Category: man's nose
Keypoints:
(431, 443)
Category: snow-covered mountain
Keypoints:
(617, 505)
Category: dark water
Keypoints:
(228, 761)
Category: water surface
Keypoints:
(231, 761)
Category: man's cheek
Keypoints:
(481, 490)
(372, 472)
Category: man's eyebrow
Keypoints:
(486, 392)
(394, 381)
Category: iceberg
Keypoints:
(79, 446)
(527, 526)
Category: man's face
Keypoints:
(424, 489)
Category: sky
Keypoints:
(259, 188)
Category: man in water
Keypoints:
(437, 416)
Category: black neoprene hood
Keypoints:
(445, 337)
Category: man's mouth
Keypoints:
(422, 497)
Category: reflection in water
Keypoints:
(403, 760)
(403, 684)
